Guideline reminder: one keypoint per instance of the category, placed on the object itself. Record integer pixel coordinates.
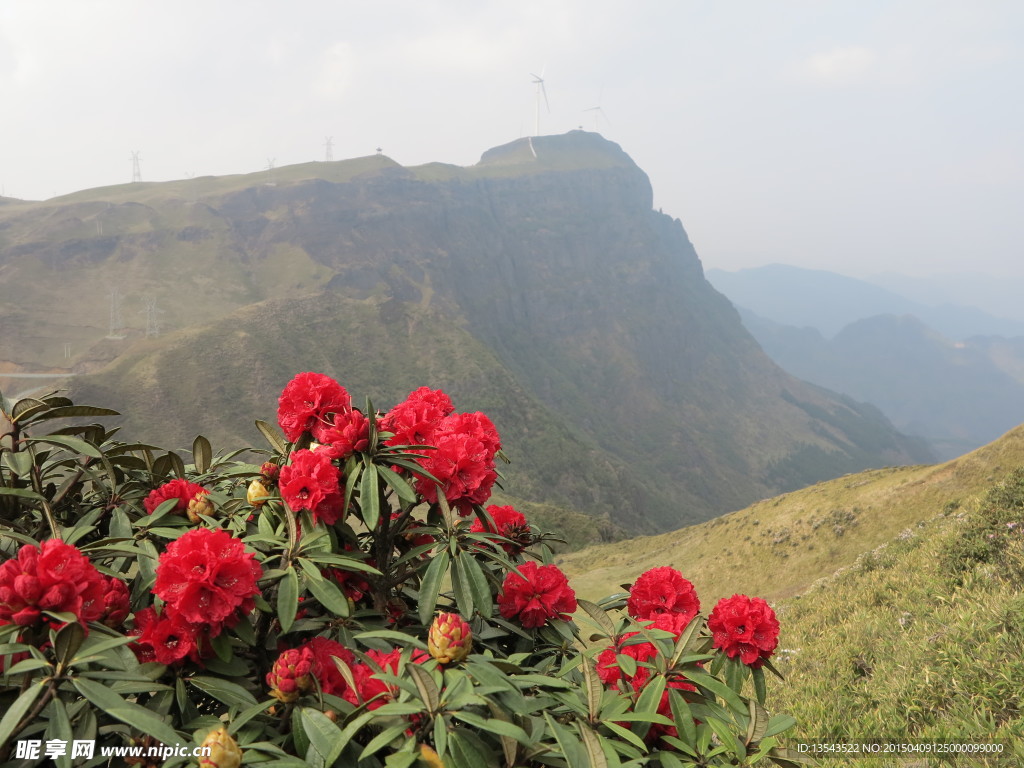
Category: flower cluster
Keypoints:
(464, 446)
(540, 594)
(311, 481)
(745, 627)
(660, 591)
(208, 577)
(508, 523)
(54, 577)
(310, 402)
(190, 499)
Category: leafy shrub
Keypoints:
(347, 601)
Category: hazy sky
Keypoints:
(855, 136)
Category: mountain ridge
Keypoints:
(544, 266)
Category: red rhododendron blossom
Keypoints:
(116, 603)
(745, 627)
(463, 463)
(541, 593)
(312, 482)
(53, 577)
(349, 433)
(207, 576)
(370, 688)
(414, 420)
(611, 673)
(662, 590)
(179, 489)
(308, 403)
(168, 637)
(324, 652)
(508, 522)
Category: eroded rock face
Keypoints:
(547, 259)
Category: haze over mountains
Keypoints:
(539, 286)
(953, 375)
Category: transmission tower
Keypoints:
(116, 322)
(328, 149)
(136, 171)
(152, 321)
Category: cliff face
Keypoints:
(548, 259)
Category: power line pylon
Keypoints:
(136, 170)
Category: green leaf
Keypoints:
(28, 665)
(461, 588)
(729, 739)
(137, 717)
(329, 595)
(477, 584)
(759, 687)
(425, 685)
(323, 734)
(567, 742)
(431, 585)
(288, 598)
(226, 691)
(369, 497)
(20, 462)
(499, 727)
(67, 642)
(592, 686)
(382, 739)
(202, 453)
(402, 488)
(23, 493)
(598, 615)
(592, 744)
(778, 724)
(721, 689)
(273, 436)
(18, 710)
(75, 444)
(389, 634)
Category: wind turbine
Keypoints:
(539, 82)
(599, 115)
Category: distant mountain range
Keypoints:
(953, 387)
(829, 302)
(539, 286)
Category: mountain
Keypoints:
(999, 295)
(539, 286)
(958, 395)
(829, 302)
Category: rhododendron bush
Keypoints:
(346, 597)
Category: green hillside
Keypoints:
(920, 639)
(778, 547)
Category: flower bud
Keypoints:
(257, 493)
(200, 504)
(450, 638)
(430, 757)
(224, 750)
(291, 675)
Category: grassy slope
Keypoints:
(776, 548)
(922, 638)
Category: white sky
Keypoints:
(857, 135)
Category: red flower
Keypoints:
(179, 489)
(413, 421)
(116, 603)
(463, 461)
(324, 652)
(508, 522)
(207, 576)
(370, 688)
(608, 666)
(312, 482)
(543, 594)
(53, 577)
(308, 404)
(745, 627)
(349, 433)
(168, 638)
(662, 590)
